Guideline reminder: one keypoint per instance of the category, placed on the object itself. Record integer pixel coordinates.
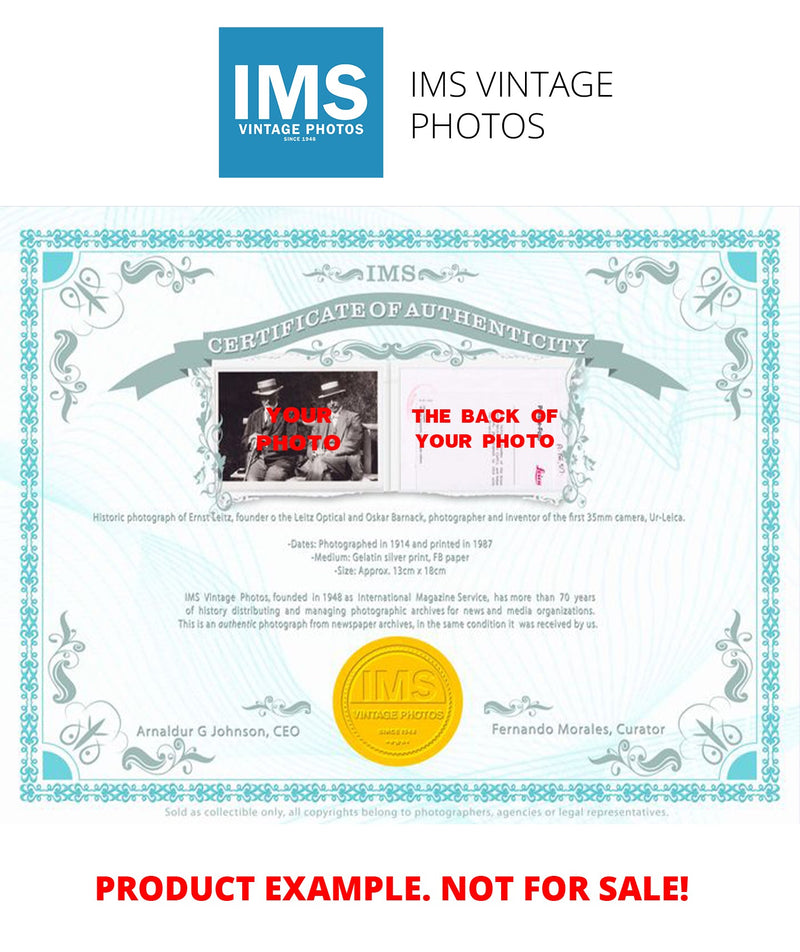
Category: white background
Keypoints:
(117, 104)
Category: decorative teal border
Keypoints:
(33, 242)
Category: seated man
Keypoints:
(344, 462)
(267, 464)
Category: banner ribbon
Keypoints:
(399, 310)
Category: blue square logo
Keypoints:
(301, 103)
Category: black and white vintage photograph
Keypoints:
(299, 429)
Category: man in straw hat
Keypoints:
(267, 464)
(345, 461)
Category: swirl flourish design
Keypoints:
(209, 476)
(453, 271)
(735, 656)
(636, 759)
(271, 705)
(441, 351)
(578, 464)
(167, 273)
(515, 707)
(64, 658)
(705, 726)
(735, 373)
(335, 274)
(66, 375)
(166, 759)
(631, 274)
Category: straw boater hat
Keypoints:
(265, 388)
(330, 388)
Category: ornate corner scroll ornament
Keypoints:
(167, 274)
(66, 375)
(449, 273)
(96, 727)
(64, 658)
(96, 304)
(704, 726)
(707, 302)
(734, 374)
(735, 655)
(636, 759)
(439, 350)
(330, 273)
(209, 476)
(515, 707)
(579, 465)
(631, 274)
(166, 759)
(271, 705)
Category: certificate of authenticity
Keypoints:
(358, 517)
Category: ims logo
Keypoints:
(301, 103)
(398, 685)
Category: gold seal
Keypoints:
(397, 701)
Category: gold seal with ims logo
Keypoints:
(397, 701)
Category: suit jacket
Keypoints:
(255, 424)
(349, 430)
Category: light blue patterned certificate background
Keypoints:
(722, 289)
